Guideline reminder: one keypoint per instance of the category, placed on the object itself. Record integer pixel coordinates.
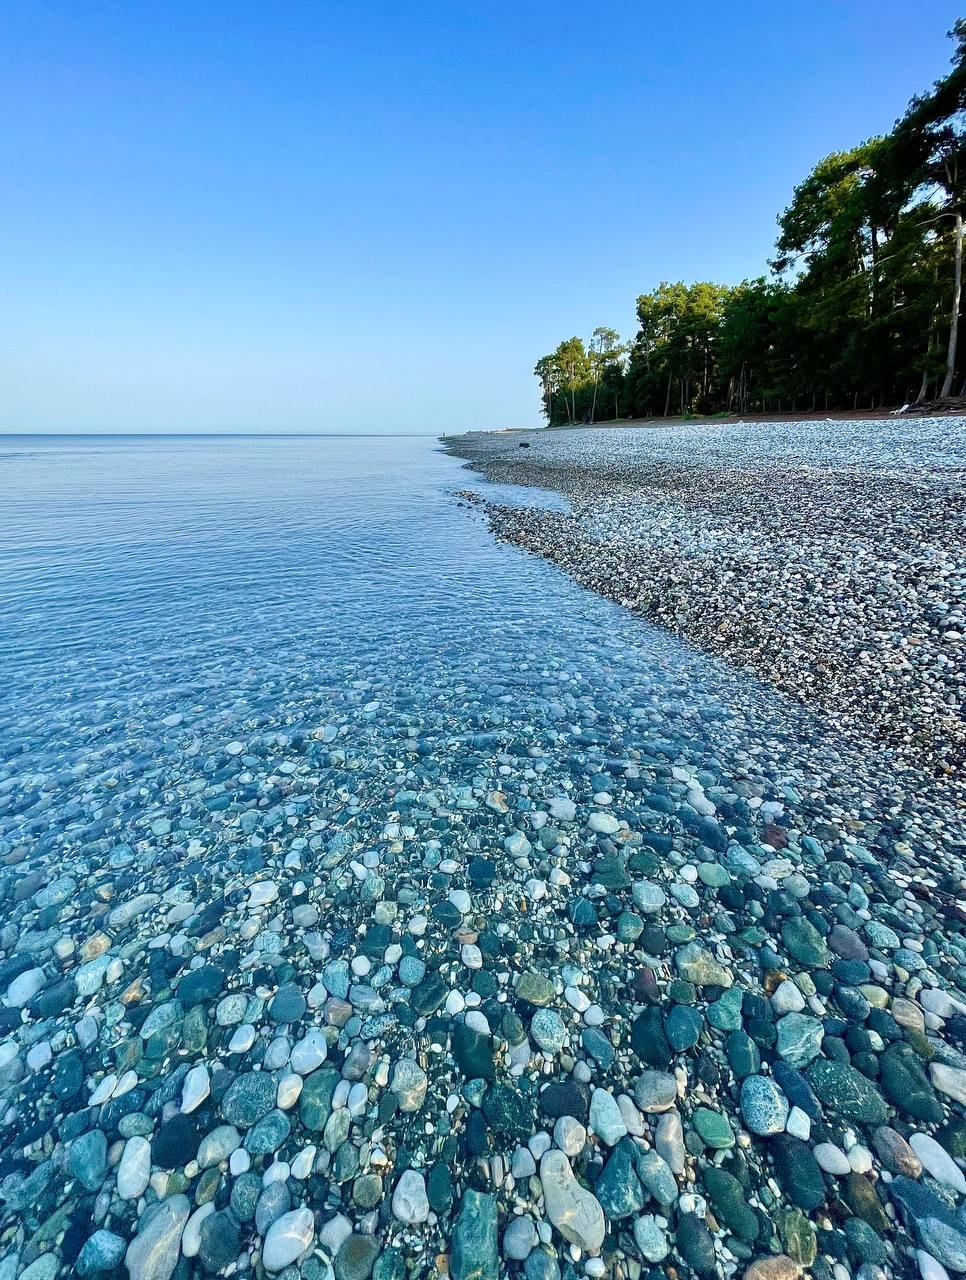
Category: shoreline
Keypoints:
(833, 579)
(956, 412)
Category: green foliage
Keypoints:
(570, 376)
(676, 351)
(861, 308)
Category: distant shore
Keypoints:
(952, 409)
(828, 567)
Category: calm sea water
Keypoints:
(161, 596)
(265, 703)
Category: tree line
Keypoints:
(860, 309)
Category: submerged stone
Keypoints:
(153, 1253)
(843, 1090)
(474, 1251)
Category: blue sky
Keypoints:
(318, 217)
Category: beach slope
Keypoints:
(824, 557)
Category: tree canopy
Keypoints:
(860, 307)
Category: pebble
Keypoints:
(606, 1119)
(24, 987)
(410, 1203)
(520, 1237)
(153, 1253)
(101, 1254)
(409, 1084)
(196, 1088)
(308, 1053)
(572, 1210)
(288, 1238)
(134, 1169)
(936, 1161)
(764, 1107)
(569, 1135)
(474, 1249)
(950, 1081)
(832, 1159)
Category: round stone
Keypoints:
(832, 1159)
(87, 1159)
(606, 1119)
(288, 1003)
(176, 1142)
(412, 970)
(309, 1053)
(288, 1238)
(547, 1028)
(604, 824)
(220, 1241)
(356, 1258)
(569, 1135)
(519, 1238)
(200, 985)
(648, 897)
(134, 1169)
(248, 1098)
(101, 1254)
(196, 1088)
(410, 1203)
(651, 1238)
(409, 1084)
(764, 1108)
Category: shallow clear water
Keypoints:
(272, 708)
(161, 596)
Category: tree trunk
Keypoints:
(925, 373)
(593, 407)
(954, 315)
(667, 401)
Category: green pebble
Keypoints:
(713, 1128)
(801, 1242)
(725, 1014)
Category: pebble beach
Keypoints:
(379, 904)
(825, 557)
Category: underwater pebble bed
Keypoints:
(378, 903)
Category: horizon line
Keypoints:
(224, 435)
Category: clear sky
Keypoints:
(305, 216)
